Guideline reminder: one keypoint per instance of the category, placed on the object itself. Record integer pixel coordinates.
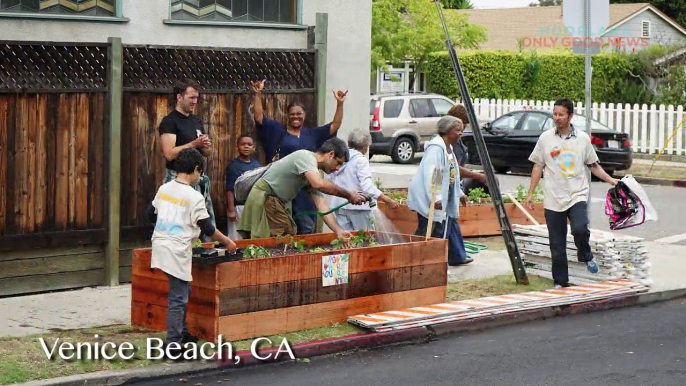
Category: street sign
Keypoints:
(573, 17)
(580, 49)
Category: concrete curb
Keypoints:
(661, 182)
(120, 377)
(358, 342)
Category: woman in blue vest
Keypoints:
(280, 140)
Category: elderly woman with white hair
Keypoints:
(438, 154)
(356, 176)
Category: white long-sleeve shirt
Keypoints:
(355, 175)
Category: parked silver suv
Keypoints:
(401, 123)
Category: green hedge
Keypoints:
(537, 76)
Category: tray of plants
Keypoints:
(218, 254)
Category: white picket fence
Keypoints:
(648, 126)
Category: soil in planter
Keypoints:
(255, 252)
(278, 250)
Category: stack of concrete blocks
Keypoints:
(618, 256)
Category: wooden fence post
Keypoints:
(321, 37)
(115, 92)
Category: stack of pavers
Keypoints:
(618, 256)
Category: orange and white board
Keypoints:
(493, 305)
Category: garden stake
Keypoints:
(528, 215)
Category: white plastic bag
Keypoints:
(631, 183)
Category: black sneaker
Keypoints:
(188, 338)
(465, 262)
(173, 354)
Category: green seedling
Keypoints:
(254, 252)
(289, 241)
(477, 194)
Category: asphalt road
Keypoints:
(668, 201)
(634, 346)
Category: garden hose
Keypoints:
(321, 213)
(474, 248)
(368, 197)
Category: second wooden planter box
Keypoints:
(475, 220)
(260, 297)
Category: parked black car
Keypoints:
(511, 138)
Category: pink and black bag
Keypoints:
(624, 208)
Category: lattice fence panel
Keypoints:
(156, 69)
(35, 67)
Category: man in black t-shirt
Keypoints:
(180, 130)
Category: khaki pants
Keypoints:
(280, 222)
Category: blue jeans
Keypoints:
(557, 233)
(456, 251)
(177, 308)
(306, 224)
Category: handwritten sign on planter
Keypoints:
(334, 270)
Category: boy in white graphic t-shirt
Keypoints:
(180, 214)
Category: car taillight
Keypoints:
(596, 141)
(376, 124)
(627, 143)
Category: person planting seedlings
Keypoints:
(180, 214)
(267, 211)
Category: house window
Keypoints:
(259, 11)
(60, 7)
(645, 29)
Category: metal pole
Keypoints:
(321, 39)
(587, 49)
(589, 76)
(508, 235)
(115, 89)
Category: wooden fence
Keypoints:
(57, 155)
(225, 116)
(52, 150)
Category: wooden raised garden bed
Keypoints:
(266, 296)
(476, 219)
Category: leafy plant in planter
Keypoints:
(478, 195)
(358, 241)
(522, 192)
(289, 241)
(318, 249)
(252, 251)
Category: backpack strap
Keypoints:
(278, 148)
